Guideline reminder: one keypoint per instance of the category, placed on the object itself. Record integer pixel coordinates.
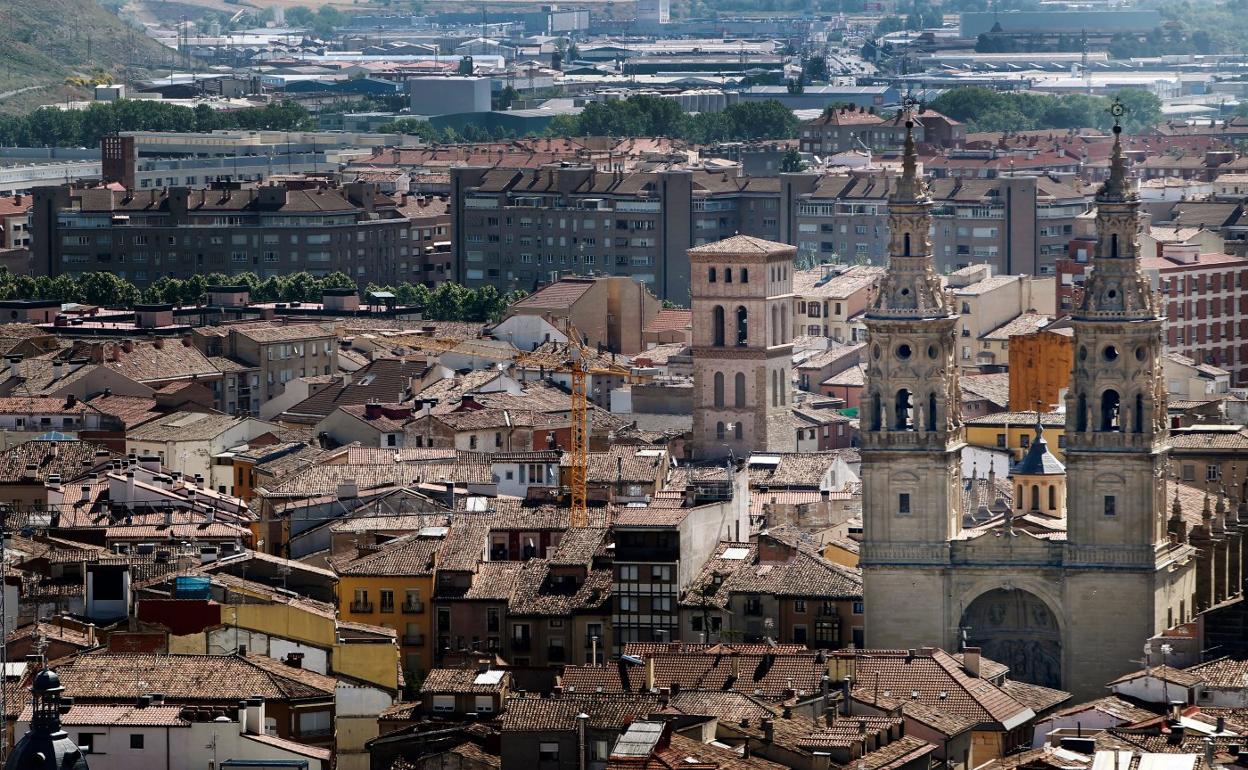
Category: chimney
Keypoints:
(129, 486)
(144, 701)
(255, 715)
(650, 674)
(294, 659)
(242, 717)
(970, 660)
(58, 370)
(769, 730)
(90, 634)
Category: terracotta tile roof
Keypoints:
(63, 458)
(1047, 419)
(993, 388)
(1223, 673)
(294, 747)
(943, 721)
(559, 295)
(803, 575)
(935, 678)
(182, 678)
(52, 632)
(1033, 696)
(149, 363)
(1197, 440)
(1023, 323)
(800, 470)
(462, 681)
(382, 380)
(495, 580)
(818, 283)
(1112, 705)
(742, 245)
(686, 752)
(537, 593)
(131, 410)
(726, 706)
(766, 676)
(1178, 676)
(95, 715)
(408, 556)
(670, 319)
(185, 426)
(606, 712)
(853, 377)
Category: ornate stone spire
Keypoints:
(1177, 526)
(1116, 287)
(910, 288)
(1219, 520)
(1116, 188)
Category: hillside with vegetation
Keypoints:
(55, 49)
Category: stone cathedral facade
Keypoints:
(1066, 595)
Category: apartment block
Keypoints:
(1017, 224)
(227, 227)
(517, 228)
(1205, 297)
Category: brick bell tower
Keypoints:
(742, 347)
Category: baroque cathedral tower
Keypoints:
(1064, 596)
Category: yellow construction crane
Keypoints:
(575, 365)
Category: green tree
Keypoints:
(792, 161)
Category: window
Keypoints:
(314, 723)
(443, 703)
(661, 604)
(628, 572)
(548, 752)
(799, 605)
(661, 573)
(136, 740)
(1111, 506)
(1001, 440)
(628, 604)
(86, 741)
(1189, 472)
(1212, 473)
(858, 608)
(484, 704)
(903, 503)
(387, 600)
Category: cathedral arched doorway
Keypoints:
(1016, 628)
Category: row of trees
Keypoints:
(52, 127)
(984, 109)
(449, 302)
(648, 115)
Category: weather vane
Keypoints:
(909, 103)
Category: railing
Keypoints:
(414, 640)
(361, 606)
(523, 644)
(413, 607)
(555, 654)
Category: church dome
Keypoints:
(46, 746)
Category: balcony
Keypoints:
(555, 655)
(413, 640)
(358, 606)
(412, 608)
(522, 644)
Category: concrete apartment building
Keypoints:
(1017, 224)
(985, 302)
(228, 228)
(581, 299)
(516, 228)
(829, 300)
(1205, 298)
(257, 360)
